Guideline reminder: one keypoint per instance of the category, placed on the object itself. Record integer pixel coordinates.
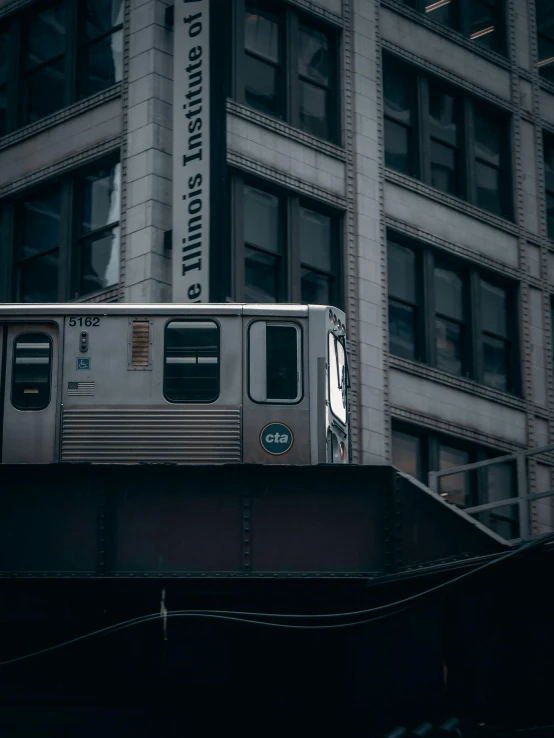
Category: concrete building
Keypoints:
(394, 158)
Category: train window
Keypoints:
(32, 368)
(274, 359)
(191, 366)
(338, 378)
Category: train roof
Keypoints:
(22, 310)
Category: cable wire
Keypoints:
(249, 617)
(108, 630)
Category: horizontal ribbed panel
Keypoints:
(129, 435)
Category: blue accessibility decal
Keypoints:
(83, 364)
(276, 439)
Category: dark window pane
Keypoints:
(261, 82)
(313, 110)
(315, 239)
(3, 57)
(3, 110)
(282, 362)
(41, 224)
(260, 276)
(550, 213)
(191, 370)
(46, 36)
(45, 91)
(261, 32)
(100, 193)
(101, 16)
(398, 91)
(444, 166)
(494, 309)
(315, 288)
(489, 139)
(449, 294)
(314, 56)
(398, 144)
(261, 219)
(402, 272)
(484, 24)
(500, 482)
(406, 453)
(100, 262)
(443, 116)
(495, 363)
(39, 279)
(31, 371)
(441, 11)
(488, 188)
(103, 64)
(546, 57)
(504, 521)
(449, 346)
(402, 322)
(455, 487)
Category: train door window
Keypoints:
(32, 370)
(275, 374)
(338, 378)
(191, 365)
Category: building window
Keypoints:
(545, 37)
(463, 322)
(97, 253)
(64, 239)
(287, 249)
(4, 52)
(286, 66)
(482, 21)
(418, 451)
(445, 138)
(53, 56)
(403, 301)
(548, 147)
(102, 47)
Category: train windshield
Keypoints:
(338, 378)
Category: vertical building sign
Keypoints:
(191, 151)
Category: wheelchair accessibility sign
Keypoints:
(276, 439)
(83, 364)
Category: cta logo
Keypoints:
(276, 439)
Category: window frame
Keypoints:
(289, 235)
(11, 233)
(467, 107)
(462, 20)
(300, 360)
(184, 319)
(290, 76)
(430, 442)
(50, 363)
(426, 258)
(16, 25)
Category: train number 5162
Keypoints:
(87, 322)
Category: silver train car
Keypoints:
(184, 384)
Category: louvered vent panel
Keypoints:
(129, 435)
(140, 344)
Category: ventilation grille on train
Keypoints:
(140, 344)
(75, 389)
(129, 435)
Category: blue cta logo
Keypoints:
(276, 439)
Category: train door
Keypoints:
(28, 392)
(276, 414)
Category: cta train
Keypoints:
(183, 384)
